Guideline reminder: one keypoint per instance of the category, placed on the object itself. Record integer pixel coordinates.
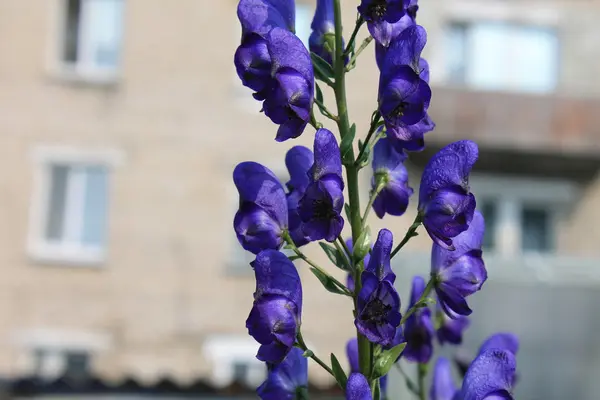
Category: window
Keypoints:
(503, 56)
(489, 210)
(92, 34)
(536, 229)
(70, 207)
(522, 216)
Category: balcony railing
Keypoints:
(540, 123)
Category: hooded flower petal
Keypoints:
(379, 262)
(388, 167)
(260, 16)
(253, 63)
(504, 341)
(410, 137)
(461, 272)
(299, 161)
(406, 49)
(490, 376)
(389, 32)
(378, 304)
(442, 386)
(285, 380)
(418, 330)
(450, 329)
(445, 202)
(276, 313)
(358, 388)
(321, 206)
(380, 16)
(262, 215)
(403, 97)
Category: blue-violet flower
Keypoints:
(418, 330)
(287, 380)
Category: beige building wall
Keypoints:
(173, 124)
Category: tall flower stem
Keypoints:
(364, 349)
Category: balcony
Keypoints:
(545, 134)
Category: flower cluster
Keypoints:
(311, 205)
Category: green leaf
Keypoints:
(323, 70)
(362, 245)
(338, 372)
(386, 360)
(347, 142)
(319, 93)
(334, 256)
(327, 282)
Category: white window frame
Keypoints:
(83, 70)
(510, 194)
(39, 249)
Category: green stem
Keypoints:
(415, 306)
(409, 382)
(313, 121)
(374, 194)
(352, 61)
(412, 231)
(364, 349)
(359, 22)
(300, 343)
(325, 111)
(288, 239)
(346, 249)
(372, 129)
(422, 375)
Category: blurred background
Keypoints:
(121, 122)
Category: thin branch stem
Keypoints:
(300, 344)
(380, 186)
(313, 121)
(347, 257)
(422, 374)
(409, 382)
(313, 264)
(352, 61)
(359, 22)
(372, 130)
(417, 305)
(325, 111)
(412, 231)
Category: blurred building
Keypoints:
(122, 121)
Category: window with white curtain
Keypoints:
(92, 35)
(502, 56)
(69, 213)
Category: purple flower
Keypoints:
(442, 384)
(299, 161)
(380, 16)
(503, 340)
(260, 16)
(358, 388)
(379, 263)
(404, 93)
(378, 306)
(287, 379)
(274, 63)
(323, 201)
(392, 32)
(262, 215)
(388, 167)
(322, 24)
(275, 316)
(450, 328)
(459, 273)
(446, 204)
(490, 377)
(418, 329)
